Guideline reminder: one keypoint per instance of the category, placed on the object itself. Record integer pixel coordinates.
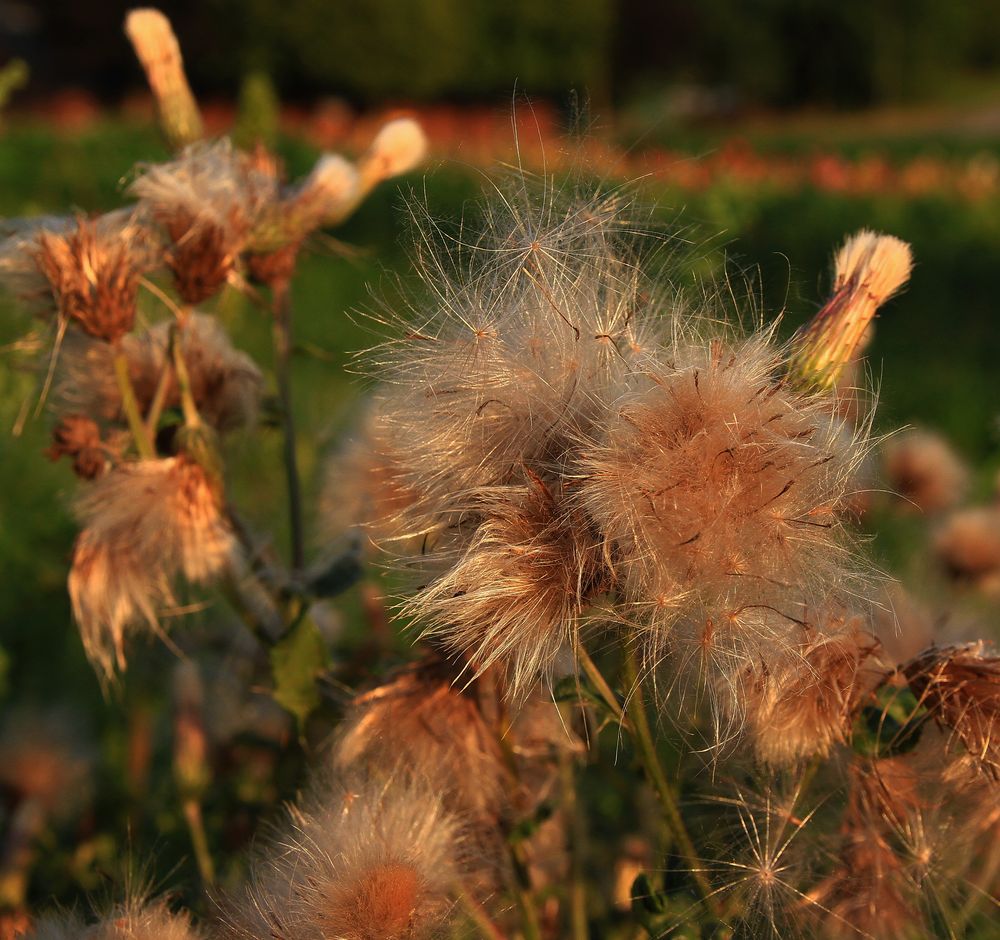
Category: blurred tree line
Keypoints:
(773, 52)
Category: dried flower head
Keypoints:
(514, 584)
(922, 468)
(368, 861)
(208, 200)
(79, 437)
(960, 686)
(225, 382)
(134, 920)
(144, 524)
(968, 547)
(804, 704)
(158, 51)
(421, 720)
(868, 270)
(720, 492)
(87, 270)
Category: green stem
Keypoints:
(475, 912)
(650, 759)
(601, 685)
(577, 847)
(143, 442)
(199, 841)
(191, 417)
(283, 354)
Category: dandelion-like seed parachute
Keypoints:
(565, 430)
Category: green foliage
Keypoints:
(259, 112)
(298, 659)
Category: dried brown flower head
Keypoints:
(144, 524)
(923, 469)
(968, 547)
(93, 268)
(804, 704)
(207, 201)
(367, 861)
(960, 686)
(516, 575)
(424, 720)
(79, 437)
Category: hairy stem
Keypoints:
(282, 310)
(143, 442)
(578, 845)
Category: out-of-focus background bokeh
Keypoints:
(765, 129)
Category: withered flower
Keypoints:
(144, 524)
(79, 437)
(208, 200)
(960, 686)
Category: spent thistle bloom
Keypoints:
(79, 437)
(960, 686)
(967, 546)
(207, 200)
(133, 920)
(923, 469)
(372, 859)
(144, 524)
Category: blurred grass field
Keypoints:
(934, 358)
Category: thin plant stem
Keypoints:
(188, 405)
(199, 841)
(143, 442)
(530, 924)
(160, 395)
(653, 767)
(282, 310)
(578, 844)
(601, 685)
(477, 914)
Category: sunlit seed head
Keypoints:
(924, 471)
(145, 524)
(967, 546)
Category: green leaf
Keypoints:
(297, 661)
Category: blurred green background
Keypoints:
(792, 82)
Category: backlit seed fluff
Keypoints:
(511, 590)
(134, 920)
(803, 705)
(424, 721)
(373, 859)
(145, 524)
(923, 469)
(207, 200)
(719, 490)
